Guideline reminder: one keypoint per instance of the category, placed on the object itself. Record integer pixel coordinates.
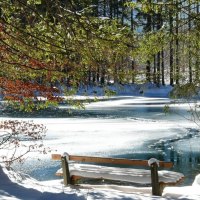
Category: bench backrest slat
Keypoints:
(120, 161)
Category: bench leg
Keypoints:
(65, 168)
(154, 180)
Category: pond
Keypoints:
(123, 127)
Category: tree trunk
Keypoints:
(116, 9)
(148, 71)
(197, 64)
(177, 45)
(148, 29)
(189, 46)
(154, 69)
(132, 61)
(163, 67)
(132, 21)
(171, 50)
(93, 77)
(96, 12)
(104, 8)
(102, 81)
(111, 9)
(98, 74)
(133, 71)
(158, 69)
(89, 76)
(159, 25)
(123, 9)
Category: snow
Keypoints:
(196, 181)
(153, 160)
(100, 137)
(65, 154)
(140, 176)
(186, 192)
(15, 186)
(146, 89)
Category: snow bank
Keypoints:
(15, 186)
(186, 193)
(146, 89)
(196, 181)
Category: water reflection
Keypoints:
(186, 163)
(147, 109)
(185, 160)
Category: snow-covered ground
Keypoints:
(15, 186)
(125, 125)
(122, 127)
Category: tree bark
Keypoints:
(171, 50)
(197, 64)
(148, 71)
(189, 46)
(148, 29)
(177, 45)
(163, 67)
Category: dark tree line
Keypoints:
(170, 29)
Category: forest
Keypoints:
(51, 47)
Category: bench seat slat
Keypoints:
(140, 176)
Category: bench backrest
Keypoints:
(117, 161)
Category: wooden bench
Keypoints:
(75, 170)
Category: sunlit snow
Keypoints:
(123, 126)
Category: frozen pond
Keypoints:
(126, 127)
